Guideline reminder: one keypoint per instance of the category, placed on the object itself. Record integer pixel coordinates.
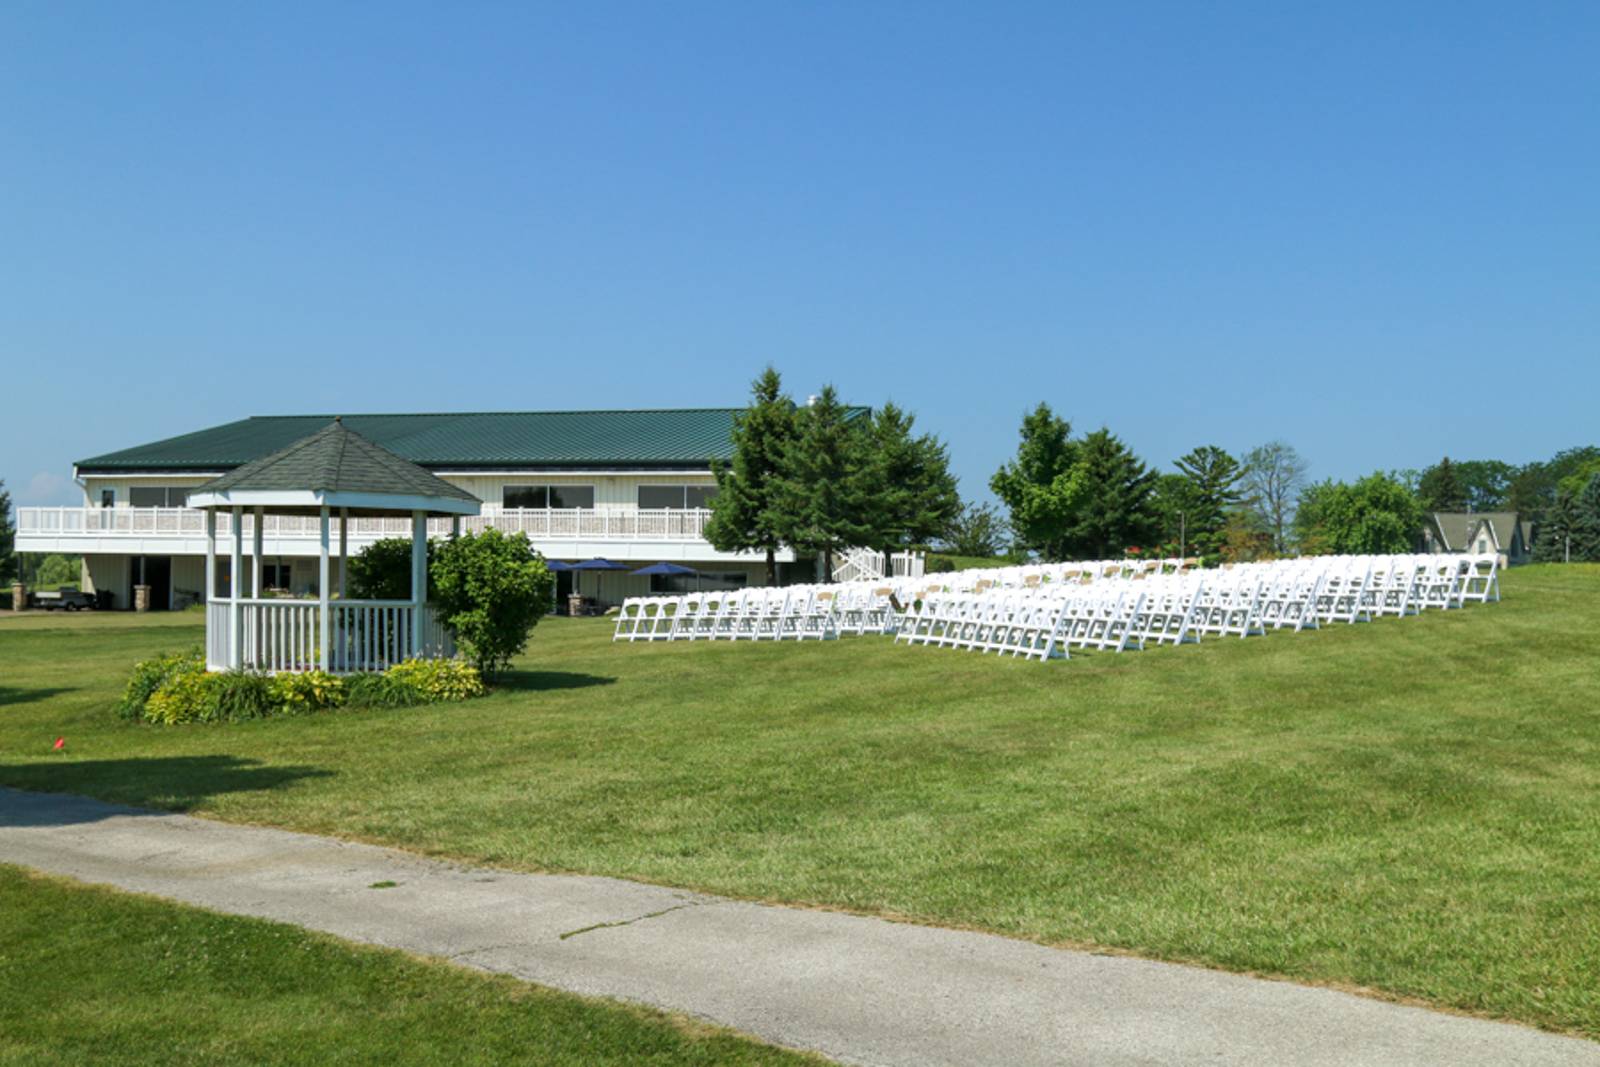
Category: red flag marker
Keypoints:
(61, 743)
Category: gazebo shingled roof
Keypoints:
(338, 466)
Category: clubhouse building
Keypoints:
(633, 487)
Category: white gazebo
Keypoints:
(334, 473)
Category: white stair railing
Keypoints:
(866, 565)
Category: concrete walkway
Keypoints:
(859, 990)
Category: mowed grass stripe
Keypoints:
(1411, 806)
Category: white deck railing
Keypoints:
(540, 524)
(285, 635)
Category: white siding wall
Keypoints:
(92, 486)
(108, 572)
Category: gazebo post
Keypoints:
(344, 548)
(323, 643)
(419, 577)
(211, 576)
(235, 586)
(256, 539)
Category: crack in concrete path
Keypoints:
(635, 919)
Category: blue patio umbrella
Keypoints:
(669, 569)
(599, 564)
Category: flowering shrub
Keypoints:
(297, 694)
(184, 697)
(439, 679)
(149, 675)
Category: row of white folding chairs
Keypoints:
(1007, 624)
(793, 613)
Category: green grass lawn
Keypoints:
(91, 976)
(1408, 805)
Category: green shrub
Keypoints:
(237, 696)
(297, 694)
(381, 691)
(382, 570)
(149, 675)
(439, 679)
(492, 588)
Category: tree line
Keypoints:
(1091, 497)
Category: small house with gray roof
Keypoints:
(1503, 532)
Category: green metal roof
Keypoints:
(336, 460)
(667, 438)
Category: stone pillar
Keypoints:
(574, 604)
(19, 596)
(141, 598)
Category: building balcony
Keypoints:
(622, 533)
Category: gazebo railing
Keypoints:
(282, 634)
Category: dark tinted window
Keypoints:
(661, 496)
(572, 496)
(525, 496)
(157, 496)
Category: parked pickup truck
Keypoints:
(68, 597)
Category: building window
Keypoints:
(108, 498)
(676, 496)
(705, 581)
(157, 496)
(277, 575)
(547, 496)
(1483, 544)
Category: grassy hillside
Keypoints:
(1408, 805)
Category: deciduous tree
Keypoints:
(1274, 475)
(977, 530)
(1041, 487)
(8, 543)
(1375, 515)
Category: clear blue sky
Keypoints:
(1372, 230)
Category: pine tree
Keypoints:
(1114, 509)
(1214, 478)
(1041, 486)
(1554, 543)
(827, 480)
(8, 542)
(747, 513)
(909, 492)
(1441, 488)
(1586, 522)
